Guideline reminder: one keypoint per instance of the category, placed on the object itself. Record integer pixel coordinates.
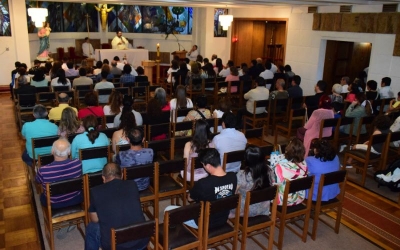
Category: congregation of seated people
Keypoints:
(84, 126)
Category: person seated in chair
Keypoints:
(114, 204)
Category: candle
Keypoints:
(158, 50)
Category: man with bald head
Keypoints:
(62, 168)
(280, 92)
(114, 204)
(63, 100)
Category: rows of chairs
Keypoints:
(166, 236)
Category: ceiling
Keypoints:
(239, 3)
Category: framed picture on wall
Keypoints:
(218, 32)
(5, 28)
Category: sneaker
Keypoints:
(349, 166)
(62, 233)
(342, 147)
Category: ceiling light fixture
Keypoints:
(225, 21)
(38, 15)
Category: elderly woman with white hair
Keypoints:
(40, 127)
(336, 93)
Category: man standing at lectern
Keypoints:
(119, 42)
(193, 53)
(87, 48)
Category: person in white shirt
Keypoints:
(60, 80)
(214, 59)
(226, 70)
(71, 71)
(120, 64)
(345, 84)
(104, 84)
(87, 48)
(229, 140)
(193, 53)
(119, 42)
(64, 65)
(267, 73)
(385, 91)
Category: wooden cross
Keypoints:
(87, 23)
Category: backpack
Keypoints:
(389, 177)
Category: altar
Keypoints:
(134, 56)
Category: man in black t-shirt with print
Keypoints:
(218, 184)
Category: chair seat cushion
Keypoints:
(226, 228)
(178, 236)
(292, 209)
(167, 183)
(66, 210)
(146, 192)
(256, 220)
(262, 115)
(362, 154)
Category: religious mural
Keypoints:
(218, 31)
(5, 27)
(74, 17)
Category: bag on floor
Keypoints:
(389, 177)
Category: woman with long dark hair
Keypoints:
(114, 106)
(120, 137)
(39, 79)
(90, 139)
(127, 103)
(180, 102)
(61, 80)
(200, 141)
(218, 66)
(255, 176)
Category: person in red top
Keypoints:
(92, 107)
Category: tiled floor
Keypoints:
(17, 219)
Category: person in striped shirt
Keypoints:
(62, 168)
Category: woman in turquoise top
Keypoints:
(90, 139)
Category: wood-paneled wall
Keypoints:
(253, 37)
(383, 23)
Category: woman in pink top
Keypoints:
(311, 129)
(351, 96)
(234, 76)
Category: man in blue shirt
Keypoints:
(40, 127)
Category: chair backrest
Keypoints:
(301, 184)
(105, 91)
(182, 112)
(46, 96)
(42, 89)
(43, 142)
(224, 204)
(83, 87)
(161, 145)
(133, 232)
(181, 214)
(158, 129)
(123, 90)
(173, 166)
(93, 153)
(82, 92)
(233, 156)
(123, 147)
(94, 179)
(60, 88)
(71, 137)
(66, 186)
(26, 99)
(346, 121)
(267, 149)
(109, 131)
(328, 123)
(45, 159)
(254, 133)
(109, 118)
(395, 136)
(183, 126)
(140, 171)
(180, 142)
(334, 177)
(142, 84)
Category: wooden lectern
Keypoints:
(148, 69)
(90, 62)
(180, 53)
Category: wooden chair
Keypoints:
(47, 99)
(123, 147)
(255, 136)
(238, 95)
(137, 231)
(251, 226)
(55, 219)
(162, 149)
(328, 123)
(227, 233)
(60, 53)
(158, 129)
(267, 150)
(192, 92)
(123, 90)
(179, 113)
(182, 128)
(60, 88)
(109, 119)
(296, 120)
(174, 234)
(279, 112)
(339, 137)
(109, 131)
(91, 180)
(170, 187)
(384, 103)
(83, 87)
(80, 96)
(42, 142)
(24, 108)
(104, 92)
(368, 123)
(296, 102)
(217, 86)
(179, 143)
(232, 157)
(335, 204)
(94, 153)
(44, 160)
(366, 158)
(288, 214)
(148, 196)
(256, 118)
